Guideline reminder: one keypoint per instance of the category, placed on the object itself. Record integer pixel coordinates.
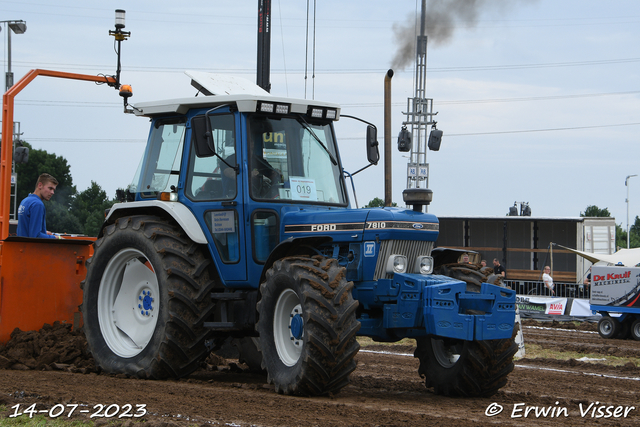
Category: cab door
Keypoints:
(212, 190)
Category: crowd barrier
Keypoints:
(562, 290)
(555, 308)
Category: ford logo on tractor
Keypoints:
(417, 226)
(323, 227)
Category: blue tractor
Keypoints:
(238, 226)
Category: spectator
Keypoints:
(483, 263)
(497, 268)
(548, 280)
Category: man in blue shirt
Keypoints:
(32, 214)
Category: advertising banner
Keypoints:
(615, 286)
(581, 308)
(541, 305)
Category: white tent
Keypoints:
(628, 257)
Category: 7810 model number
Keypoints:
(376, 225)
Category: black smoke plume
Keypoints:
(442, 18)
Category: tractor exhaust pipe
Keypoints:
(387, 138)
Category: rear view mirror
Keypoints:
(21, 155)
(373, 154)
(201, 137)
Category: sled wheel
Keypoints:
(625, 329)
(307, 326)
(146, 295)
(465, 368)
(608, 327)
(635, 330)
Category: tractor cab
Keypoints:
(239, 163)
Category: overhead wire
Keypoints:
(527, 130)
(158, 69)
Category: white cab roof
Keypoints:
(226, 90)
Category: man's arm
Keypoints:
(35, 223)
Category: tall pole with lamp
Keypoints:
(18, 27)
(626, 183)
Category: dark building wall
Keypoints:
(519, 236)
(561, 232)
(520, 243)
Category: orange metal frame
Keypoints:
(7, 134)
(39, 278)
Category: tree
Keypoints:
(377, 202)
(634, 235)
(68, 211)
(59, 218)
(41, 161)
(89, 206)
(593, 210)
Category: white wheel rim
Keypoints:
(287, 311)
(128, 303)
(447, 356)
(636, 329)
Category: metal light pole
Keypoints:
(626, 183)
(18, 27)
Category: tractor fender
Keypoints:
(177, 211)
(294, 246)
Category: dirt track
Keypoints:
(385, 390)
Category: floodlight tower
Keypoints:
(420, 115)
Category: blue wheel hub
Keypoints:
(145, 303)
(297, 326)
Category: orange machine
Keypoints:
(39, 278)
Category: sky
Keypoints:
(539, 100)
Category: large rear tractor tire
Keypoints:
(307, 326)
(146, 296)
(465, 368)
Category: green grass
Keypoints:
(40, 421)
(534, 351)
(366, 341)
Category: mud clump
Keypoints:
(59, 347)
(53, 347)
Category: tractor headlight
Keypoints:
(397, 264)
(424, 265)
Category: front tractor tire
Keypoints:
(466, 368)
(461, 368)
(145, 298)
(307, 326)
